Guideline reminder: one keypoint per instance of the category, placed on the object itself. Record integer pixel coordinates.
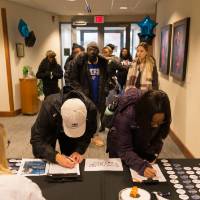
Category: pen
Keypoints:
(71, 159)
(68, 157)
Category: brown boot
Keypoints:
(96, 140)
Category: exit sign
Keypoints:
(99, 19)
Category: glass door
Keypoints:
(116, 36)
(121, 35)
(86, 35)
(134, 39)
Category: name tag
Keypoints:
(95, 72)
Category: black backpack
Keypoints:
(112, 108)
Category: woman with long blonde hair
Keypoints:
(143, 72)
(14, 187)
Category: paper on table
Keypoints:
(112, 164)
(57, 169)
(138, 178)
(33, 167)
(14, 165)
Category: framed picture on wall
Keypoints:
(180, 49)
(165, 49)
(20, 49)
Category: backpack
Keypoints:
(112, 109)
(110, 113)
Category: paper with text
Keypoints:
(112, 164)
(57, 169)
(138, 178)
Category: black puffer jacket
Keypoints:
(68, 69)
(50, 83)
(48, 127)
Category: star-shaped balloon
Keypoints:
(23, 28)
(147, 25)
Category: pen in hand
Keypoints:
(64, 161)
(71, 159)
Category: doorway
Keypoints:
(119, 34)
(85, 35)
(102, 35)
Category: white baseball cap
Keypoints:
(74, 115)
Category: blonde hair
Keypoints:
(149, 67)
(3, 161)
(108, 48)
(150, 62)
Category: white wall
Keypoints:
(185, 98)
(47, 35)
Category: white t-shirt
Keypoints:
(15, 187)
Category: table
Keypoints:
(106, 185)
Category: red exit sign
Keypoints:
(99, 19)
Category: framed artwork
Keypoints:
(20, 49)
(180, 49)
(165, 49)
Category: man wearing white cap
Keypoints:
(70, 118)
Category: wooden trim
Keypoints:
(7, 57)
(181, 146)
(10, 114)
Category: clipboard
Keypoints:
(60, 178)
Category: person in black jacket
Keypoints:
(90, 75)
(76, 50)
(114, 63)
(126, 61)
(49, 71)
(69, 117)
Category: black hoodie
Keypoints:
(48, 128)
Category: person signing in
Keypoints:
(69, 117)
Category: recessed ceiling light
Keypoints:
(80, 14)
(123, 8)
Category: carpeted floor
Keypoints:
(18, 129)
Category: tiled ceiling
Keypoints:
(98, 7)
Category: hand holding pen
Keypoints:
(65, 161)
(149, 172)
(77, 157)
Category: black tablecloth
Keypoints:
(104, 185)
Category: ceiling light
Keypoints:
(123, 8)
(71, 0)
